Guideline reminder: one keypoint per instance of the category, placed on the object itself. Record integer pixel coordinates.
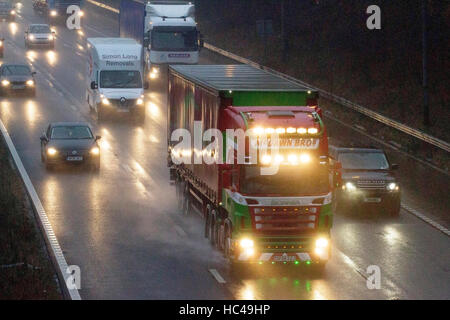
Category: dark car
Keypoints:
(367, 180)
(70, 142)
(7, 10)
(17, 78)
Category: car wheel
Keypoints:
(187, 202)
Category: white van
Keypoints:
(115, 77)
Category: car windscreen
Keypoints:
(288, 181)
(170, 39)
(71, 132)
(120, 79)
(363, 161)
(40, 29)
(16, 70)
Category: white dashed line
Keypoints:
(217, 276)
(426, 219)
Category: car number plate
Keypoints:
(123, 110)
(285, 258)
(18, 87)
(372, 200)
(74, 158)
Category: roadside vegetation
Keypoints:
(26, 271)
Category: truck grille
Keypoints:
(371, 184)
(284, 220)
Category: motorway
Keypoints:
(122, 228)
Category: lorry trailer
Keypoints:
(282, 217)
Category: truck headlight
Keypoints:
(31, 37)
(392, 186)
(5, 83)
(51, 151)
(140, 101)
(321, 245)
(247, 245)
(30, 83)
(95, 151)
(349, 186)
(105, 101)
(51, 37)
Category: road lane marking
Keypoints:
(104, 6)
(217, 276)
(180, 231)
(57, 255)
(424, 218)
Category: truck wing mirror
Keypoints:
(94, 85)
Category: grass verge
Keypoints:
(26, 271)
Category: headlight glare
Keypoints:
(246, 243)
(95, 151)
(350, 186)
(392, 186)
(30, 83)
(5, 83)
(51, 151)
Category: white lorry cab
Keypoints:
(167, 30)
(115, 77)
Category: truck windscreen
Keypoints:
(174, 39)
(120, 79)
(288, 181)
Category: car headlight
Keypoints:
(155, 70)
(140, 101)
(5, 83)
(392, 186)
(53, 13)
(51, 37)
(13, 12)
(31, 37)
(105, 101)
(1, 43)
(30, 83)
(349, 186)
(80, 13)
(51, 151)
(95, 151)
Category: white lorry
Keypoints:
(167, 30)
(115, 77)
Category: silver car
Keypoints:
(39, 35)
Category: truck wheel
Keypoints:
(179, 192)
(212, 234)
(227, 244)
(207, 218)
(186, 202)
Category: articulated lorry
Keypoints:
(56, 9)
(252, 213)
(166, 29)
